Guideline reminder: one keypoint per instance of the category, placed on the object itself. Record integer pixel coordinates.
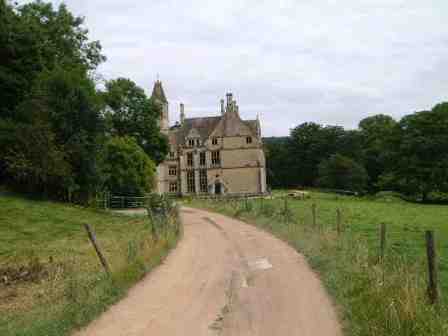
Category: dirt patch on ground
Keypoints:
(33, 271)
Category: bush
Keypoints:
(127, 169)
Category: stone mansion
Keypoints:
(219, 155)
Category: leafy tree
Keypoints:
(340, 172)
(36, 37)
(277, 159)
(66, 100)
(293, 161)
(419, 159)
(310, 143)
(126, 167)
(129, 112)
(33, 159)
(376, 132)
(350, 145)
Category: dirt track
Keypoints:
(224, 278)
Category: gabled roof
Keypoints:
(158, 93)
(232, 125)
(228, 125)
(254, 125)
(203, 126)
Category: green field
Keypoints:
(375, 298)
(51, 279)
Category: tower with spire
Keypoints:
(158, 95)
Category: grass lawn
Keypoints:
(375, 298)
(406, 224)
(50, 278)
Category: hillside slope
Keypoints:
(50, 277)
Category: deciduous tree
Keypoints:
(126, 167)
(340, 172)
(129, 112)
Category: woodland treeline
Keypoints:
(64, 132)
(409, 156)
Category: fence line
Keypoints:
(433, 284)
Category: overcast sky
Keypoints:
(332, 62)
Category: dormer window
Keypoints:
(172, 155)
(249, 140)
(214, 141)
(198, 142)
(191, 142)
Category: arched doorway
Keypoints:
(218, 188)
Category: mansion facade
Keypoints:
(218, 155)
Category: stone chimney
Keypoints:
(222, 107)
(229, 97)
(182, 113)
(233, 106)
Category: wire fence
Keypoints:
(414, 243)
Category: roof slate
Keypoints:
(205, 126)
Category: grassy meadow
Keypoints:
(374, 298)
(51, 281)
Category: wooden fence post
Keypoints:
(92, 238)
(382, 241)
(338, 221)
(433, 290)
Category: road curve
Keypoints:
(224, 278)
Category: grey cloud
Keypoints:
(328, 61)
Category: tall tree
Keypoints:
(277, 161)
(34, 37)
(340, 172)
(129, 112)
(310, 143)
(126, 167)
(375, 134)
(419, 163)
(66, 100)
(33, 159)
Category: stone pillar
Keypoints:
(208, 159)
(182, 175)
(263, 180)
(196, 181)
(196, 171)
(183, 182)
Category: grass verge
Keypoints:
(374, 297)
(51, 281)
